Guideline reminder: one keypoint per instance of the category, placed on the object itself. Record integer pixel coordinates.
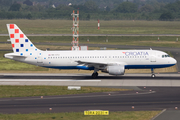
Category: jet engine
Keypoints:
(115, 70)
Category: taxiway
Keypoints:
(161, 80)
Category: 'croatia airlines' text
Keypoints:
(135, 53)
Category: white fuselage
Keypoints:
(131, 59)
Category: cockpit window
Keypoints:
(163, 56)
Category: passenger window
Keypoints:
(162, 56)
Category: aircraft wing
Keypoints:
(98, 64)
(92, 63)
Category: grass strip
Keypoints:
(26, 91)
(90, 27)
(127, 115)
(149, 41)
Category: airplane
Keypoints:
(113, 62)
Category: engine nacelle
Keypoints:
(116, 70)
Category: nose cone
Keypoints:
(173, 61)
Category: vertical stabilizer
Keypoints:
(19, 41)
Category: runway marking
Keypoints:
(158, 114)
(12, 83)
(29, 80)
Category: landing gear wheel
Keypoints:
(95, 75)
(153, 76)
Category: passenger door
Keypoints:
(153, 56)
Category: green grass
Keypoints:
(164, 41)
(90, 27)
(26, 91)
(128, 115)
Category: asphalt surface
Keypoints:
(86, 76)
(146, 99)
(169, 115)
(130, 80)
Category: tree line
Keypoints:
(90, 9)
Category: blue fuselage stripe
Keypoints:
(126, 67)
(70, 67)
(147, 66)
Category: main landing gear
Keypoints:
(95, 73)
(152, 72)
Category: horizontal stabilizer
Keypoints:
(11, 55)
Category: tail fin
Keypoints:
(19, 41)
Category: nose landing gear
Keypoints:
(152, 72)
